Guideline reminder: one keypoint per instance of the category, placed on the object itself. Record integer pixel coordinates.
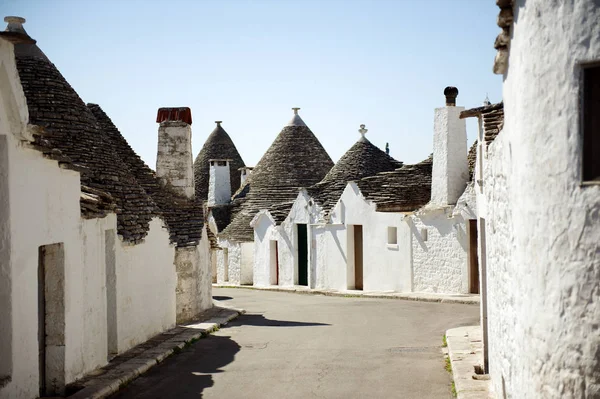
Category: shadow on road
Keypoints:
(261, 321)
(189, 373)
(221, 298)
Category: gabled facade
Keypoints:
(295, 159)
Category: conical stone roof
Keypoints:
(113, 177)
(295, 159)
(218, 145)
(363, 159)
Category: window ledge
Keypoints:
(590, 183)
(392, 246)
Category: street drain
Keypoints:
(412, 349)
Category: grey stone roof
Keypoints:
(492, 118)
(295, 159)
(363, 159)
(218, 145)
(183, 217)
(68, 131)
(402, 190)
(471, 159)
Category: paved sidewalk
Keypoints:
(136, 361)
(465, 349)
(470, 299)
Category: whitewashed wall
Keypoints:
(439, 247)
(264, 232)
(234, 266)
(146, 282)
(194, 281)
(385, 267)
(543, 227)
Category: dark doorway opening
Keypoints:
(358, 257)
(302, 255)
(473, 260)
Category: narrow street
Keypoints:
(303, 346)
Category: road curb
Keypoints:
(465, 350)
(423, 297)
(113, 380)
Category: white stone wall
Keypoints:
(174, 159)
(234, 264)
(450, 168)
(194, 281)
(146, 283)
(264, 232)
(219, 183)
(439, 248)
(543, 227)
(246, 263)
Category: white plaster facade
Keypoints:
(542, 225)
(107, 296)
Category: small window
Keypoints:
(222, 163)
(591, 123)
(392, 235)
(424, 234)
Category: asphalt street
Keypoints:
(313, 346)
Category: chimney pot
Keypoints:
(451, 93)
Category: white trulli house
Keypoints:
(295, 159)
(392, 228)
(92, 245)
(283, 255)
(540, 224)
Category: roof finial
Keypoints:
(15, 24)
(218, 123)
(362, 131)
(450, 92)
(387, 148)
(487, 100)
(296, 109)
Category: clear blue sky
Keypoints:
(381, 63)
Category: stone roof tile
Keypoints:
(295, 159)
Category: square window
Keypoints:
(591, 123)
(392, 235)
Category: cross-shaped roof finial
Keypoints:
(362, 131)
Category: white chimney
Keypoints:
(245, 173)
(174, 162)
(219, 182)
(450, 167)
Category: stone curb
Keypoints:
(115, 379)
(465, 350)
(424, 297)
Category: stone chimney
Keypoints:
(245, 173)
(450, 167)
(174, 163)
(219, 182)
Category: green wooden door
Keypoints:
(302, 255)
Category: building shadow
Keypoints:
(221, 298)
(261, 321)
(190, 371)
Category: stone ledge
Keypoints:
(468, 299)
(110, 378)
(465, 350)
